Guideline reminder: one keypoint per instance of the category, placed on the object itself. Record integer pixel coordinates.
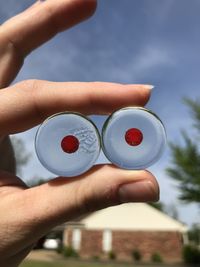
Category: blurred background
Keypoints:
(151, 42)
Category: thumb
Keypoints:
(62, 199)
(31, 213)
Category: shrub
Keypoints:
(69, 252)
(111, 255)
(156, 257)
(95, 258)
(136, 255)
(191, 254)
(59, 249)
(194, 235)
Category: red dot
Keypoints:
(134, 137)
(70, 144)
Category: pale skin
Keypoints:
(29, 213)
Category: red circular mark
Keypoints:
(134, 137)
(70, 144)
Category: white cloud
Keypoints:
(150, 57)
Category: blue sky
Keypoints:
(141, 41)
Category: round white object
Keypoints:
(150, 138)
(84, 151)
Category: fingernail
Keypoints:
(148, 86)
(141, 191)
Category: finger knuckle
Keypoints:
(32, 88)
(28, 85)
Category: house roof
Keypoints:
(132, 216)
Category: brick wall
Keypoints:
(167, 244)
(91, 244)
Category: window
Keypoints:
(107, 241)
(76, 239)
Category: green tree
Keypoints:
(36, 180)
(172, 211)
(21, 155)
(194, 234)
(158, 205)
(185, 167)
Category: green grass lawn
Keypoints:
(71, 263)
(68, 264)
(39, 264)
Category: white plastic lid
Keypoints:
(133, 138)
(67, 144)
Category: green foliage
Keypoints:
(111, 255)
(194, 106)
(156, 257)
(36, 181)
(69, 252)
(95, 258)
(191, 254)
(59, 250)
(185, 167)
(21, 155)
(157, 205)
(171, 210)
(137, 256)
(194, 235)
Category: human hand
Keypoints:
(28, 213)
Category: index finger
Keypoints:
(28, 103)
(43, 20)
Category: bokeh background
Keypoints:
(127, 41)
